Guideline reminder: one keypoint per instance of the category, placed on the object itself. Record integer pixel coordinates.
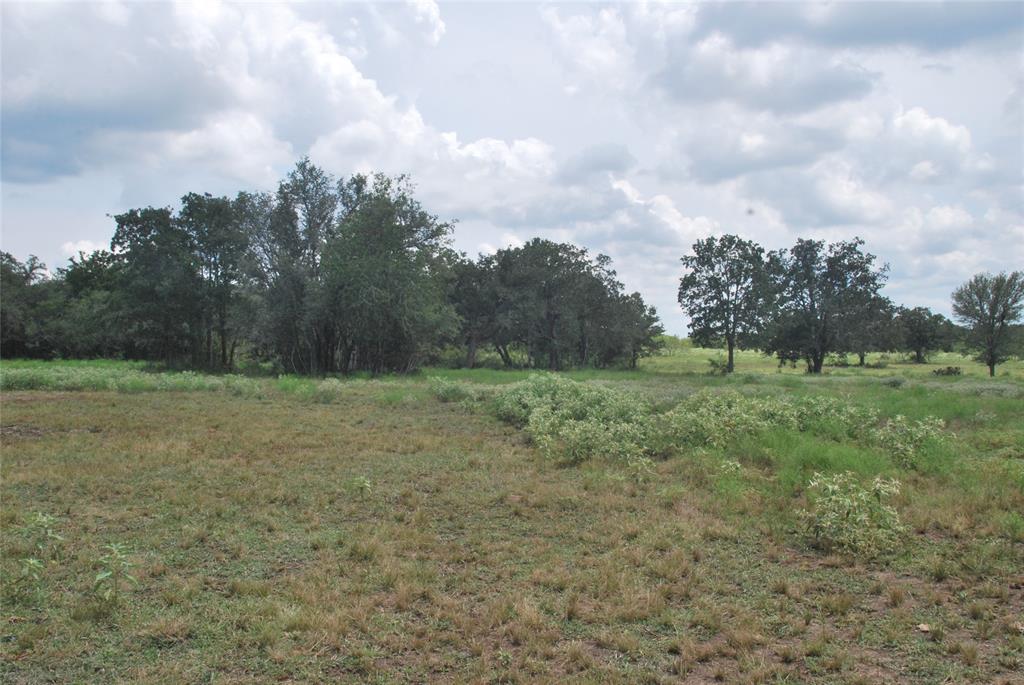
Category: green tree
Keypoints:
(284, 282)
(92, 320)
(556, 307)
(218, 246)
(538, 291)
(19, 324)
(989, 306)
(388, 272)
(473, 296)
(726, 292)
(158, 283)
(824, 292)
(874, 330)
(922, 331)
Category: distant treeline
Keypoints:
(323, 276)
(329, 276)
(816, 299)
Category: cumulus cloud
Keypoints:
(597, 45)
(632, 129)
(73, 248)
(635, 48)
(777, 77)
(929, 132)
(734, 145)
(427, 12)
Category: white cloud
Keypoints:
(841, 191)
(683, 230)
(948, 218)
(923, 129)
(427, 12)
(633, 129)
(72, 248)
(596, 45)
(924, 171)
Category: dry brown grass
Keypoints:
(467, 559)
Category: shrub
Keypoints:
(448, 391)
(570, 438)
(719, 366)
(327, 391)
(850, 518)
(828, 414)
(713, 420)
(515, 403)
(948, 371)
(574, 422)
(29, 582)
(905, 439)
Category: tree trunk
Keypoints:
(817, 360)
(503, 353)
(553, 342)
(209, 344)
(471, 353)
(919, 356)
(992, 369)
(860, 358)
(223, 326)
(729, 366)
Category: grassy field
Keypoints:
(295, 530)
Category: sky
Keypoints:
(632, 130)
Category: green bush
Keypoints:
(515, 403)
(573, 422)
(906, 440)
(834, 416)
(845, 516)
(714, 420)
(717, 419)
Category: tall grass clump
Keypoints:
(447, 390)
(67, 377)
(129, 377)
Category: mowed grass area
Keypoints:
(363, 531)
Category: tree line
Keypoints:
(322, 276)
(816, 299)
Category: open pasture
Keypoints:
(396, 530)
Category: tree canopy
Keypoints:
(727, 292)
(989, 306)
(825, 292)
(322, 276)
